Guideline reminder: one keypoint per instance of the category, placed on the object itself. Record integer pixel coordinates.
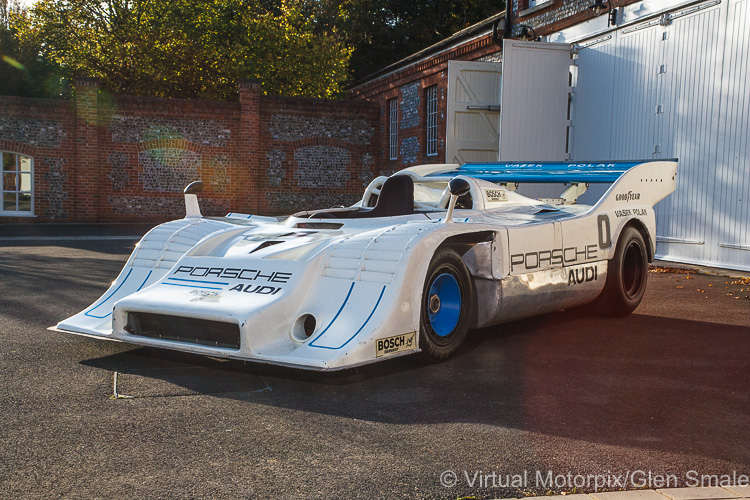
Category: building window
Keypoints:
(537, 3)
(431, 120)
(393, 128)
(16, 184)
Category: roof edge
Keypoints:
(466, 33)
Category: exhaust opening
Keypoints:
(304, 327)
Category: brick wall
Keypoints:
(103, 158)
(317, 153)
(557, 14)
(408, 84)
(43, 129)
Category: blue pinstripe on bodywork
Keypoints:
(88, 313)
(193, 286)
(197, 281)
(311, 344)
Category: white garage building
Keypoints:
(675, 84)
(652, 79)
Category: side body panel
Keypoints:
(549, 271)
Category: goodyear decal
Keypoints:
(629, 196)
(396, 344)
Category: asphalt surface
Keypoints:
(666, 390)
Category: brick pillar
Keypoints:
(250, 150)
(86, 189)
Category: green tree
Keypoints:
(385, 31)
(25, 69)
(201, 48)
(190, 49)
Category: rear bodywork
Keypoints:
(246, 287)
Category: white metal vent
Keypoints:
(163, 246)
(369, 258)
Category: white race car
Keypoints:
(427, 254)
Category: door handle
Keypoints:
(491, 107)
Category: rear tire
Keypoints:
(627, 273)
(447, 305)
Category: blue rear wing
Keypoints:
(545, 172)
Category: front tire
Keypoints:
(447, 304)
(627, 273)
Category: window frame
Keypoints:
(393, 128)
(19, 190)
(532, 4)
(431, 125)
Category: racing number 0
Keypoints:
(605, 238)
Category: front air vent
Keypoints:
(319, 225)
(181, 329)
(266, 244)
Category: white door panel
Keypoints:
(536, 85)
(473, 111)
(731, 210)
(635, 94)
(690, 98)
(593, 101)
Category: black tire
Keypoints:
(627, 273)
(438, 339)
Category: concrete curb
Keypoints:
(69, 238)
(716, 271)
(32, 232)
(697, 493)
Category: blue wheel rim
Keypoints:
(444, 304)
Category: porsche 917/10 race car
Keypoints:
(427, 254)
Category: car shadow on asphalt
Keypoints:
(145, 360)
(640, 381)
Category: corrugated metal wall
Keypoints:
(731, 217)
(690, 95)
(678, 89)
